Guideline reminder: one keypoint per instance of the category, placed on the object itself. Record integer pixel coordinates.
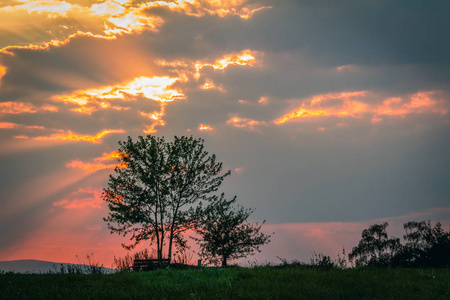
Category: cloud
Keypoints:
(243, 58)
(9, 125)
(61, 20)
(98, 164)
(153, 88)
(245, 123)
(204, 127)
(360, 103)
(82, 198)
(70, 136)
(21, 107)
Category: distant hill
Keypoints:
(39, 266)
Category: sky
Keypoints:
(331, 115)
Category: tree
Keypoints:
(154, 187)
(225, 232)
(426, 245)
(375, 248)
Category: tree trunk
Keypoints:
(158, 242)
(224, 262)
(172, 229)
(169, 256)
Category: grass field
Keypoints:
(233, 283)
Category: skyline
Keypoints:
(330, 116)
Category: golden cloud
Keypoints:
(245, 123)
(155, 117)
(60, 21)
(70, 136)
(153, 88)
(243, 58)
(204, 127)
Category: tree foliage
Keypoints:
(154, 187)
(225, 233)
(375, 248)
(425, 246)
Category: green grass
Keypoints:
(233, 283)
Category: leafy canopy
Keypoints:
(225, 232)
(154, 187)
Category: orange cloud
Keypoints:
(98, 162)
(420, 102)
(2, 72)
(90, 167)
(204, 127)
(8, 125)
(21, 107)
(110, 156)
(83, 198)
(70, 136)
(358, 104)
(156, 118)
(245, 123)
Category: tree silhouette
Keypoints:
(155, 186)
(375, 248)
(426, 245)
(225, 232)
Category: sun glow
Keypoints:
(101, 19)
(49, 6)
(153, 88)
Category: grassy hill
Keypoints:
(233, 283)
